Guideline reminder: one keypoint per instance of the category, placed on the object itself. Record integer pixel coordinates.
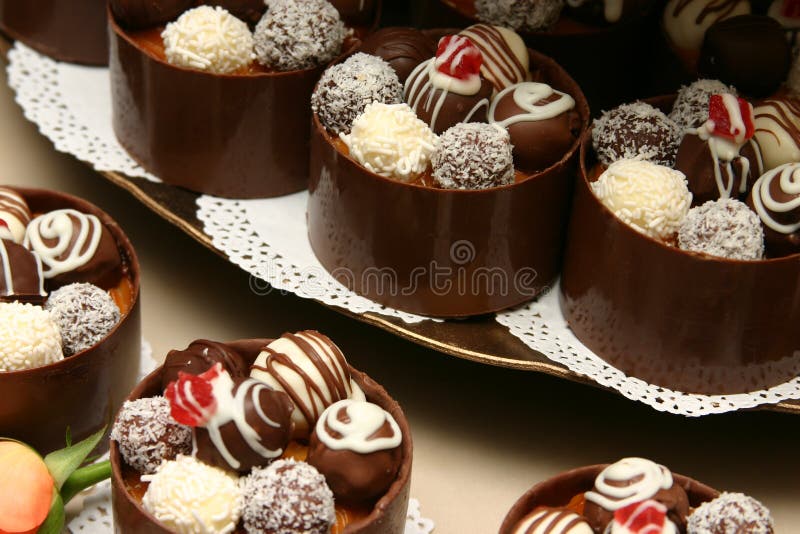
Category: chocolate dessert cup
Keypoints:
(73, 31)
(559, 490)
(387, 517)
(82, 392)
(441, 252)
(675, 318)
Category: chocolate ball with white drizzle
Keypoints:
(14, 215)
(776, 200)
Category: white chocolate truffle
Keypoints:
(651, 198)
(210, 39)
(506, 61)
(686, 21)
(553, 521)
(389, 139)
(190, 497)
(28, 337)
(777, 131)
(14, 215)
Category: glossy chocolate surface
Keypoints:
(388, 516)
(441, 252)
(66, 30)
(559, 490)
(674, 318)
(83, 391)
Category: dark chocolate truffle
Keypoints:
(525, 15)
(636, 130)
(356, 445)
(473, 156)
(632, 480)
(690, 109)
(74, 247)
(402, 48)
(287, 497)
(21, 277)
(14, 215)
(776, 200)
(541, 121)
(724, 228)
(199, 357)
(138, 14)
(345, 90)
(749, 52)
(84, 313)
(147, 435)
(249, 11)
(731, 513)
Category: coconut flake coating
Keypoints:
(84, 313)
(146, 434)
(526, 15)
(636, 130)
(210, 39)
(725, 228)
(287, 497)
(690, 109)
(28, 337)
(473, 156)
(347, 88)
(298, 34)
(731, 513)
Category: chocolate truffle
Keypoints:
(147, 435)
(473, 156)
(28, 337)
(636, 130)
(541, 121)
(84, 313)
(731, 513)
(356, 445)
(347, 88)
(749, 52)
(74, 247)
(776, 200)
(249, 11)
(777, 130)
(402, 48)
(686, 21)
(199, 357)
(505, 57)
(545, 520)
(312, 370)
(138, 14)
(633, 480)
(238, 423)
(287, 497)
(690, 109)
(724, 228)
(209, 39)
(299, 34)
(524, 15)
(14, 215)
(21, 278)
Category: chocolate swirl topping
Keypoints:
(553, 521)
(777, 122)
(776, 198)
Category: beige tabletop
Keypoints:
(482, 435)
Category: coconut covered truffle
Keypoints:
(188, 496)
(210, 39)
(725, 228)
(147, 435)
(28, 337)
(298, 34)
(690, 109)
(731, 513)
(473, 156)
(345, 90)
(525, 15)
(651, 198)
(84, 313)
(287, 497)
(636, 130)
(389, 139)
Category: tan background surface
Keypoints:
(482, 435)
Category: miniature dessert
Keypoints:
(723, 228)
(14, 215)
(686, 21)
(633, 130)
(777, 130)
(473, 156)
(526, 15)
(199, 357)
(147, 435)
(84, 313)
(731, 512)
(776, 199)
(402, 48)
(690, 109)
(505, 57)
(553, 521)
(29, 337)
(136, 14)
(21, 278)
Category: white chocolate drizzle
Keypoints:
(15, 214)
(8, 274)
(61, 226)
(553, 521)
(766, 205)
(365, 419)
(453, 55)
(526, 95)
(644, 479)
(502, 61)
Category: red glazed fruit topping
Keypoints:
(730, 117)
(458, 57)
(191, 397)
(646, 517)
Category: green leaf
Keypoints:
(54, 522)
(83, 478)
(63, 463)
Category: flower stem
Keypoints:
(83, 478)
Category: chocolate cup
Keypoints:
(388, 516)
(73, 31)
(439, 252)
(557, 491)
(81, 392)
(675, 318)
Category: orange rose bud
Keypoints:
(26, 489)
